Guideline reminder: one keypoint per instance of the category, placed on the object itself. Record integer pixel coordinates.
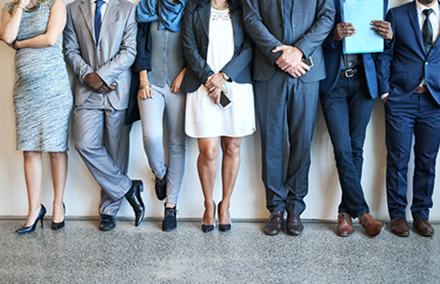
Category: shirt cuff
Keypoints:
(382, 97)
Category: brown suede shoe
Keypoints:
(399, 227)
(294, 225)
(273, 226)
(345, 225)
(423, 227)
(371, 225)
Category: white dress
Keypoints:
(203, 117)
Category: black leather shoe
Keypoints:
(294, 225)
(134, 198)
(169, 222)
(58, 225)
(274, 224)
(106, 222)
(160, 187)
(30, 229)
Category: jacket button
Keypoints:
(426, 63)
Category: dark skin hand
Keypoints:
(343, 30)
(95, 82)
(382, 28)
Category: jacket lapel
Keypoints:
(236, 28)
(86, 10)
(281, 7)
(435, 46)
(204, 16)
(412, 13)
(109, 15)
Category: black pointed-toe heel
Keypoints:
(209, 228)
(56, 226)
(223, 227)
(30, 229)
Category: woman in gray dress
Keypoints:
(42, 98)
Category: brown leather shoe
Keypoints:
(423, 227)
(371, 225)
(345, 225)
(294, 226)
(399, 227)
(273, 226)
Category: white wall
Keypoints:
(248, 201)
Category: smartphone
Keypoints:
(225, 102)
(308, 61)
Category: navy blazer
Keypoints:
(195, 40)
(400, 68)
(264, 23)
(333, 52)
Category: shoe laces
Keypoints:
(170, 212)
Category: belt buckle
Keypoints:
(349, 73)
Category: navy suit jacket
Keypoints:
(195, 40)
(401, 67)
(332, 57)
(264, 23)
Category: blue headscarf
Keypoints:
(169, 13)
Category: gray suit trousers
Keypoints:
(279, 99)
(101, 139)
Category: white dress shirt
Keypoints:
(103, 8)
(435, 23)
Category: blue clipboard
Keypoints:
(360, 13)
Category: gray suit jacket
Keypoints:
(111, 58)
(264, 23)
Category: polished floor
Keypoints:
(80, 253)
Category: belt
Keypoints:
(422, 89)
(348, 73)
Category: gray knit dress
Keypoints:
(42, 94)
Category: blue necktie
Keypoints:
(98, 19)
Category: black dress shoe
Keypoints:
(58, 225)
(160, 187)
(30, 229)
(106, 222)
(209, 228)
(134, 198)
(169, 222)
(294, 225)
(275, 223)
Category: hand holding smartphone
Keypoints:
(225, 102)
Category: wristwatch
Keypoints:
(226, 77)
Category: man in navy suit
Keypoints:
(285, 33)
(409, 84)
(347, 98)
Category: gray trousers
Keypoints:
(165, 102)
(101, 140)
(279, 99)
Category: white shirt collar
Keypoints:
(420, 7)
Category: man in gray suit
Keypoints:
(286, 34)
(100, 46)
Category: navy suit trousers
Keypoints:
(418, 114)
(347, 110)
(279, 99)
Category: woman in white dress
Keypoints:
(218, 53)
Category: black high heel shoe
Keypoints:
(209, 228)
(223, 227)
(60, 225)
(30, 229)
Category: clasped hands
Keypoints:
(95, 82)
(214, 86)
(290, 60)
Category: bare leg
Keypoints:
(33, 171)
(207, 168)
(230, 167)
(58, 164)
(169, 205)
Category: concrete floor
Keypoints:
(80, 253)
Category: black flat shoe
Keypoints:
(209, 228)
(106, 222)
(56, 226)
(134, 198)
(223, 227)
(30, 229)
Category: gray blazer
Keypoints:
(195, 40)
(111, 58)
(264, 22)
